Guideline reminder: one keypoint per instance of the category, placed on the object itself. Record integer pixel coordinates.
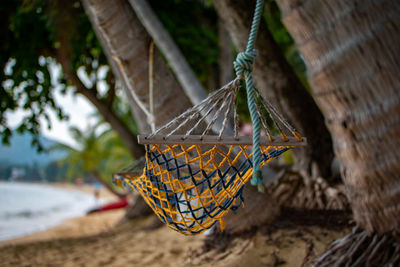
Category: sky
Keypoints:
(77, 107)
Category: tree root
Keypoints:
(362, 249)
(293, 189)
(138, 209)
(258, 209)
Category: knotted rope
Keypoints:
(192, 179)
(243, 67)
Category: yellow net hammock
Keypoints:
(197, 166)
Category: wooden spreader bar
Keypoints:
(215, 140)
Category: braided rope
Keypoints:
(243, 67)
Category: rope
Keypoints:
(151, 120)
(141, 105)
(189, 188)
(243, 66)
(201, 109)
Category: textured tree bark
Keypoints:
(188, 80)
(106, 185)
(138, 209)
(63, 55)
(186, 77)
(352, 56)
(225, 55)
(259, 209)
(128, 138)
(126, 45)
(278, 83)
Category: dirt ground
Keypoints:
(294, 239)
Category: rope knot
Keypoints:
(243, 64)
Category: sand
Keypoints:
(101, 239)
(76, 227)
(137, 244)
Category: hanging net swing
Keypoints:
(196, 166)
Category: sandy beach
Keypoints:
(133, 245)
(75, 227)
(103, 240)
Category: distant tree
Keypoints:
(5, 171)
(54, 172)
(97, 154)
(133, 69)
(61, 35)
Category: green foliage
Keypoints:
(33, 34)
(25, 79)
(52, 172)
(102, 152)
(193, 26)
(242, 108)
(284, 40)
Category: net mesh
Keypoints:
(197, 164)
(191, 187)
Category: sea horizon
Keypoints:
(26, 207)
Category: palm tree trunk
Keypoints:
(183, 72)
(128, 138)
(63, 55)
(277, 82)
(105, 184)
(126, 45)
(186, 77)
(259, 209)
(225, 61)
(351, 48)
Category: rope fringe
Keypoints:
(191, 180)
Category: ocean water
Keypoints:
(28, 208)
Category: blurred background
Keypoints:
(55, 79)
(81, 79)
